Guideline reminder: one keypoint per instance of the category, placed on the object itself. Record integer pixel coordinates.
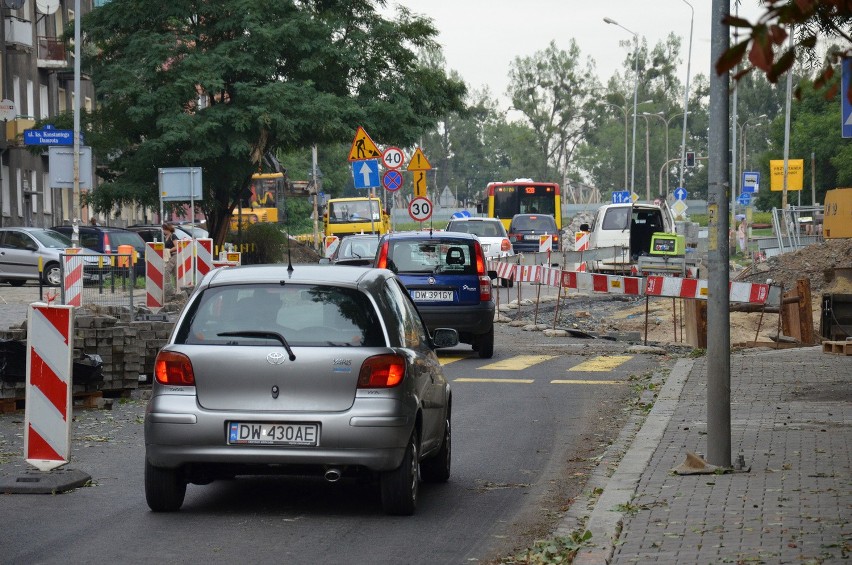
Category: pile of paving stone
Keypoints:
(112, 348)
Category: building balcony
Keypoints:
(51, 53)
(19, 33)
(15, 129)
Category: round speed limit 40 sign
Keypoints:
(393, 158)
(420, 209)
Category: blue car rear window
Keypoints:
(432, 256)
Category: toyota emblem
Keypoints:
(275, 358)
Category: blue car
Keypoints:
(446, 276)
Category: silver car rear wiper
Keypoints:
(262, 334)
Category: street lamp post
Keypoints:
(635, 95)
(647, 158)
(686, 97)
(624, 111)
(743, 161)
(666, 121)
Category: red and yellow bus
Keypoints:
(523, 196)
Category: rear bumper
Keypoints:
(373, 433)
(477, 319)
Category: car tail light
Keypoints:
(382, 262)
(515, 237)
(484, 279)
(556, 240)
(172, 368)
(381, 371)
(505, 245)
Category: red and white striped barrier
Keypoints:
(47, 416)
(203, 257)
(331, 243)
(581, 243)
(154, 270)
(72, 280)
(183, 263)
(672, 287)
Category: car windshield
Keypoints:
(481, 229)
(352, 211)
(360, 248)
(538, 223)
(52, 239)
(432, 256)
(305, 315)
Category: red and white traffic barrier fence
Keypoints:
(504, 269)
(581, 243)
(155, 266)
(203, 257)
(610, 284)
(47, 415)
(183, 263)
(72, 278)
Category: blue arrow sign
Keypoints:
(680, 193)
(845, 105)
(366, 173)
(744, 199)
(621, 197)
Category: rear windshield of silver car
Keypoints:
(432, 256)
(305, 315)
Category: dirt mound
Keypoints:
(816, 262)
(301, 253)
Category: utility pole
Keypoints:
(718, 306)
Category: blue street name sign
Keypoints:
(48, 137)
(744, 199)
(680, 193)
(621, 197)
(365, 174)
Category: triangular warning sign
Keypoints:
(418, 162)
(363, 147)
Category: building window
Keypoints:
(63, 104)
(43, 102)
(19, 193)
(7, 193)
(31, 100)
(47, 193)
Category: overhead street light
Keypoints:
(635, 94)
(686, 97)
(666, 121)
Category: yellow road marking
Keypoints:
(601, 363)
(512, 381)
(517, 363)
(582, 382)
(449, 359)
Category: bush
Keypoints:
(266, 241)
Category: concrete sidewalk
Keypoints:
(791, 419)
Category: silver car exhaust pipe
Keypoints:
(333, 474)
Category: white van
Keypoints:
(628, 227)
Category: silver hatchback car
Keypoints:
(318, 369)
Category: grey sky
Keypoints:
(481, 38)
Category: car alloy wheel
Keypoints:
(400, 486)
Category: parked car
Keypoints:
(525, 230)
(332, 373)
(105, 239)
(192, 229)
(154, 232)
(22, 247)
(354, 250)
(491, 233)
(444, 272)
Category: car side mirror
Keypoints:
(445, 337)
(585, 227)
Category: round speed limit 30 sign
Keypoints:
(420, 209)
(393, 158)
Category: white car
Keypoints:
(490, 233)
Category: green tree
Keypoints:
(551, 89)
(219, 83)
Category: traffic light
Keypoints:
(690, 158)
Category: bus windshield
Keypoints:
(507, 199)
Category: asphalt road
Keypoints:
(519, 440)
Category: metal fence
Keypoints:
(102, 280)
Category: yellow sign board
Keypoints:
(418, 162)
(419, 183)
(363, 147)
(795, 174)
